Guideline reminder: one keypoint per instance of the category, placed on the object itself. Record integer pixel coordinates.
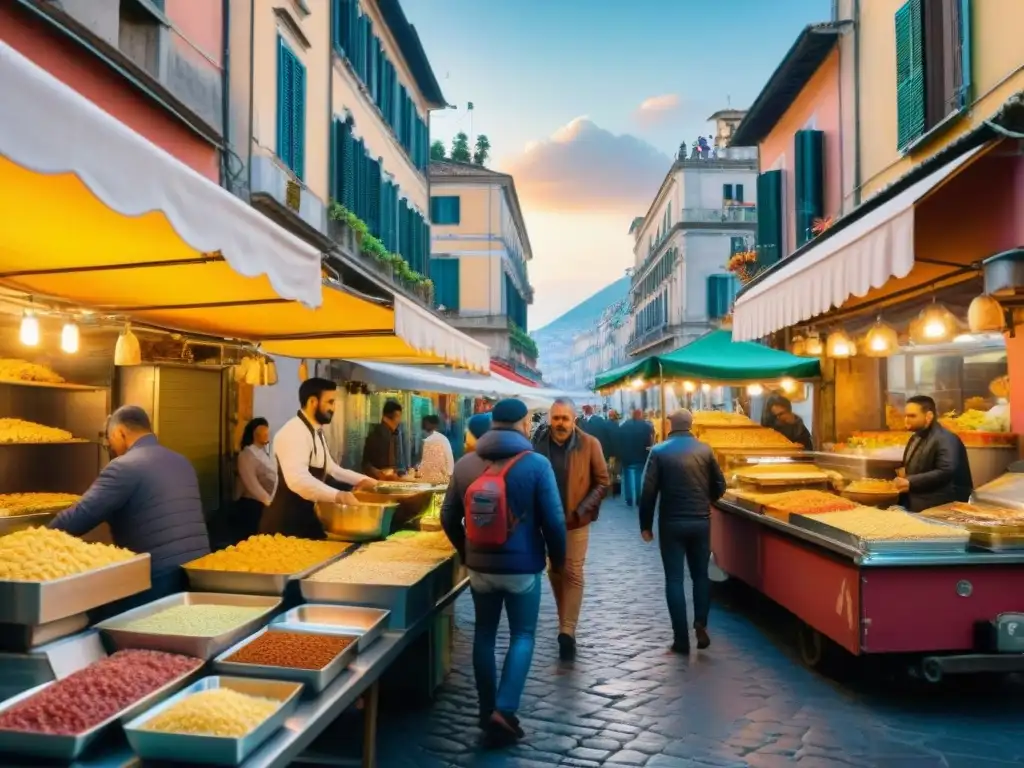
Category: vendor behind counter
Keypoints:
(382, 451)
(149, 496)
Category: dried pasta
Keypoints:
(872, 524)
(215, 712)
(21, 431)
(194, 620)
(17, 504)
(275, 554)
(12, 369)
(44, 554)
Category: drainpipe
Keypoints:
(225, 92)
(856, 102)
(252, 66)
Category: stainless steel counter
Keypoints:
(314, 715)
(868, 560)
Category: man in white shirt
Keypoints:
(438, 461)
(304, 465)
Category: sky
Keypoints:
(586, 101)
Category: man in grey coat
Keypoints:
(149, 496)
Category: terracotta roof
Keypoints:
(453, 168)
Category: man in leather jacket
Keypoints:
(683, 476)
(935, 466)
(582, 477)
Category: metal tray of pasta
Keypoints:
(183, 748)
(120, 633)
(314, 680)
(40, 602)
(63, 747)
(247, 583)
(367, 624)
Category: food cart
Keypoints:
(935, 590)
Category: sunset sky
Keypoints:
(585, 102)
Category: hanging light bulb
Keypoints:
(813, 346)
(935, 324)
(799, 347)
(705, 388)
(881, 341)
(69, 338)
(839, 345)
(788, 385)
(689, 387)
(127, 350)
(755, 390)
(637, 383)
(29, 331)
(986, 315)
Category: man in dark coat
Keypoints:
(382, 449)
(636, 438)
(149, 496)
(683, 476)
(935, 466)
(788, 424)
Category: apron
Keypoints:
(289, 514)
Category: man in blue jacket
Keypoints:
(149, 496)
(507, 575)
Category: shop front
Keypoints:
(893, 301)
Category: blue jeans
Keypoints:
(686, 543)
(632, 482)
(523, 609)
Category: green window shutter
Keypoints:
(347, 170)
(769, 217)
(284, 103)
(721, 293)
(371, 61)
(727, 192)
(445, 274)
(737, 245)
(299, 118)
(808, 182)
(444, 210)
(373, 187)
(336, 157)
(910, 104)
(739, 193)
(964, 38)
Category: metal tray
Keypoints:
(742, 502)
(179, 748)
(314, 680)
(365, 623)
(40, 602)
(899, 546)
(12, 523)
(204, 648)
(48, 745)
(364, 522)
(244, 583)
(405, 604)
(400, 489)
(997, 542)
(19, 638)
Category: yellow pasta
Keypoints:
(270, 554)
(358, 569)
(43, 554)
(215, 712)
(17, 504)
(195, 620)
(872, 524)
(21, 431)
(12, 369)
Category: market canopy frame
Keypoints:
(716, 358)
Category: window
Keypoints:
(933, 67)
(769, 217)
(291, 109)
(445, 275)
(809, 177)
(737, 244)
(444, 209)
(739, 193)
(727, 193)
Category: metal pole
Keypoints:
(661, 395)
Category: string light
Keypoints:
(29, 332)
(705, 388)
(788, 385)
(689, 386)
(839, 345)
(755, 390)
(69, 338)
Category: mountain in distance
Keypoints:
(554, 340)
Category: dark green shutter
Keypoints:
(808, 182)
(445, 274)
(727, 192)
(966, 90)
(299, 118)
(769, 217)
(373, 186)
(284, 102)
(348, 177)
(910, 104)
(739, 193)
(336, 158)
(721, 293)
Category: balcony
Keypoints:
(273, 185)
(732, 214)
(642, 340)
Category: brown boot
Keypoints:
(703, 638)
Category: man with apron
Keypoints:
(305, 468)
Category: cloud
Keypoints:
(657, 108)
(583, 167)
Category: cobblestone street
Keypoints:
(747, 701)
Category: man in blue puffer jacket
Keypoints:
(508, 576)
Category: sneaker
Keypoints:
(504, 728)
(703, 638)
(683, 649)
(566, 647)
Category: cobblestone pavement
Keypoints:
(747, 701)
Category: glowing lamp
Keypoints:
(813, 347)
(689, 387)
(881, 341)
(69, 338)
(839, 346)
(755, 390)
(788, 385)
(705, 388)
(29, 331)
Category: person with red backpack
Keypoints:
(504, 516)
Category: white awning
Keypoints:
(50, 132)
(426, 332)
(864, 255)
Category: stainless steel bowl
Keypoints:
(362, 522)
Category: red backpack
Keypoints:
(489, 521)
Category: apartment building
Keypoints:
(704, 211)
(480, 250)
(332, 121)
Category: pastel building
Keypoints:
(479, 255)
